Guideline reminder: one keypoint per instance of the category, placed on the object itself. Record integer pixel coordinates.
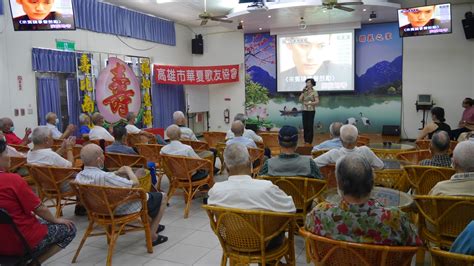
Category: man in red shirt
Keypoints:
(467, 121)
(6, 125)
(46, 235)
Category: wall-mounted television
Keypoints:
(37, 15)
(425, 20)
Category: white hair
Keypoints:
(235, 155)
(335, 129)
(178, 115)
(40, 135)
(462, 156)
(49, 115)
(349, 134)
(82, 118)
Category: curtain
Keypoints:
(105, 18)
(73, 105)
(1, 7)
(166, 99)
(48, 98)
(44, 60)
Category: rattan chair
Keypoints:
(423, 178)
(329, 174)
(97, 142)
(49, 181)
(214, 137)
(134, 139)
(20, 148)
(326, 251)
(16, 163)
(101, 203)
(424, 144)
(443, 218)
(318, 153)
(391, 178)
(446, 258)
(270, 141)
(180, 169)
(305, 150)
(413, 157)
(197, 145)
(114, 161)
(363, 140)
(386, 154)
(257, 157)
(245, 234)
(152, 154)
(220, 147)
(303, 190)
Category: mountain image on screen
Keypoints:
(380, 76)
(263, 78)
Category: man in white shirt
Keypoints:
(42, 154)
(248, 133)
(132, 129)
(349, 135)
(238, 129)
(93, 158)
(52, 122)
(98, 131)
(180, 121)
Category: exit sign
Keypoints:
(65, 45)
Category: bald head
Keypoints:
(237, 128)
(462, 157)
(173, 132)
(440, 142)
(97, 119)
(349, 134)
(90, 155)
(335, 129)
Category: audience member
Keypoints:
(464, 243)
(85, 122)
(349, 135)
(439, 148)
(359, 218)
(52, 123)
(248, 133)
(461, 183)
(466, 124)
(42, 154)
(45, 235)
(289, 163)
(118, 146)
(93, 158)
(132, 129)
(437, 124)
(8, 128)
(238, 129)
(11, 152)
(334, 142)
(180, 121)
(98, 131)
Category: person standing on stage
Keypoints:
(310, 99)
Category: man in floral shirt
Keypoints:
(358, 218)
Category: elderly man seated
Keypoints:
(238, 129)
(175, 147)
(439, 148)
(93, 158)
(335, 141)
(349, 134)
(120, 134)
(52, 122)
(132, 129)
(46, 235)
(98, 131)
(289, 163)
(7, 127)
(42, 154)
(180, 121)
(461, 183)
(243, 192)
(358, 217)
(248, 133)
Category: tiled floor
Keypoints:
(191, 241)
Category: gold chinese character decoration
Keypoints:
(87, 105)
(146, 87)
(84, 64)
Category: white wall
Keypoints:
(15, 59)
(223, 48)
(442, 66)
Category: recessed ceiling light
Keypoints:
(269, 16)
(259, 28)
(364, 9)
(370, 19)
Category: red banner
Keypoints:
(200, 75)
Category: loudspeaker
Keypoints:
(468, 26)
(390, 130)
(198, 45)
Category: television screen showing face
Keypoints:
(35, 15)
(424, 20)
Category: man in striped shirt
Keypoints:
(93, 158)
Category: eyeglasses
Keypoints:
(48, 2)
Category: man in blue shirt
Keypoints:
(120, 134)
(238, 129)
(334, 142)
